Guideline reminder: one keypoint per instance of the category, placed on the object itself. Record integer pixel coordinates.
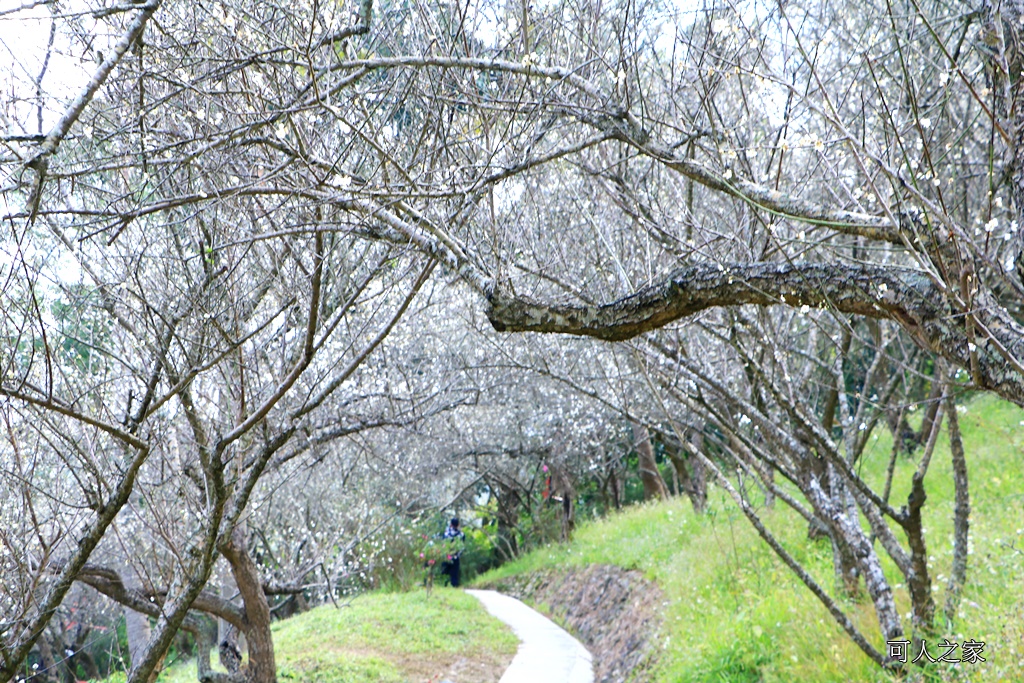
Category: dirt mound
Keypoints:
(613, 611)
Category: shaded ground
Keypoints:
(482, 667)
(613, 611)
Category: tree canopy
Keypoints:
(240, 236)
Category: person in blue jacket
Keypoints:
(454, 536)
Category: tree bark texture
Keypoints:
(845, 563)
(508, 520)
(907, 296)
(654, 484)
(875, 582)
(961, 515)
(690, 469)
(562, 487)
(261, 667)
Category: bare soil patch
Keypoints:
(480, 668)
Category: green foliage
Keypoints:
(393, 559)
(109, 649)
(734, 613)
(478, 554)
(434, 551)
(83, 333)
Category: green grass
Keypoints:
(384, 638)
(734, 613)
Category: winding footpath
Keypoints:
(547, 654)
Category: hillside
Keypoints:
(731, 612)
(387, 638)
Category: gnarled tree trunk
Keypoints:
(261, 667)
(654, 484)
(690, 472)
(508, 519)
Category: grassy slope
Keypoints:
(735, 613)
(387, 638)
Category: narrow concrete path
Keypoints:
(547, 654)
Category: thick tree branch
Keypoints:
(902, 294)
(906, 296)
(109, 583)
(961, 514)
